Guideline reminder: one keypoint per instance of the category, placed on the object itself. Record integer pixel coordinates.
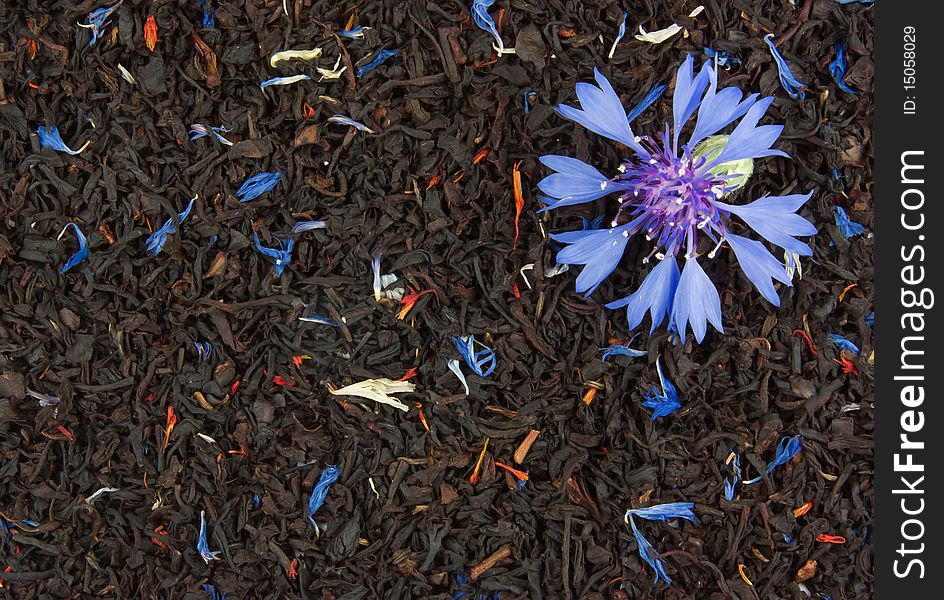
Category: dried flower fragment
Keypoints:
(285, 55)
(378, 390)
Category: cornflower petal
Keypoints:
(722, 58)
(377, 282)
(619, 36)
(760, 266)
(788, 80)
(202, 547)
(750, 141)
(155, 242)
(786, 450)
(284, 80)
(719, 109)
(645, 551)
(662, 401)
(258, 184)
(843, 343)
(599, 250)
(303, 226)
(621, 350)
(774, 218)
(342, 120)
(575, 182)
(688, 92)
(355, 33)
(847, 227)
(648, 100)
(482, 362)
(837, 69)
(97, 19)
(484, 22)
(601, 112)
(320, 491)
(208, 19)
(281, 256)
(49, 137)
(453, 365)
(664, 512)
(378, 59)
(44, 399)
(212, 592)
(198, 130)
(654, 295)
(696, 302)
(320, 320)
(730, 484)
(82, 252)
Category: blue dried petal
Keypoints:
(202, 547)
(665, 401)
(730, 484)
(870, 319)
(619, 35)
(526, 97)
(645, 551)
(286, 80)
(355, 33)
(788, 80)
(320, 320)
(484, 22)
(664, 512)
(320, 492)
(155, 242)
(208, 20)
(648, 100)
(303, 226)
(843, 343)
(281, 256)
(722, 58)
(49, 137)
(786, 450)
(83, 251)
(213, 593)
(378, 59)
(482, 362)
(621, 350)
(847, 227)
(97, 19)
(198, 130)
(258, 184)
(837, 69)
(204, 349)
(342, 120)
(593, 225)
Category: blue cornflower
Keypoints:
(843, 343)
(342, 120)
(484, 22)
(204, 349)
(788, 80)
(320, 492)
(198, 130)
(786, 450)
(621, 350)
(619, 35)
(82, 252)
(664, 401)
(202, 547)
(320, 320)
(730, 484)
(724, 60)
(97, 19)
(376, 61)
(648, 100)
(281, 256)
(303, 226)
(49, 137)
(258, 184)
(482, 362)
(592, 224)
(837, 68)
(155, 242)
(526, 98)
(847, 227)
(288, 79)
(661, 512)
(672, 195)
(870, 319)
(355, 33)
(208, 20)
(213, 593)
